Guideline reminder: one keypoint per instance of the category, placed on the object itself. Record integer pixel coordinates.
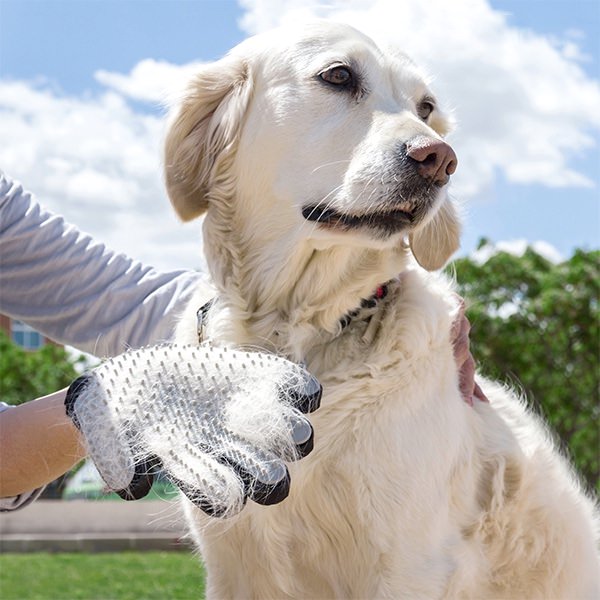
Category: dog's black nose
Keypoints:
(435, 159)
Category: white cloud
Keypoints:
(548, 251)
(150, 80)
(517, 248)
(97, 161)
(524, 106)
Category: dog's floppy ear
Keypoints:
(204, 132)
(434, 244)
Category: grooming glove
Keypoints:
(219, 423)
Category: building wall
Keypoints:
(5, 324)
(23, 335)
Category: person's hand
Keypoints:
(220, 423)
(469, 388)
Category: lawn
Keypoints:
(105, 576)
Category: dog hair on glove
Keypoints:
(219, 422)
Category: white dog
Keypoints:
(320, 163)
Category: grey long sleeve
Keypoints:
(76, 291)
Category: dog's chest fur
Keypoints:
(361, 493)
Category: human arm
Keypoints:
(77, 291)
(38, 443)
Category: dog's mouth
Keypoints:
(387, 222)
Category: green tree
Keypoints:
(25, 375)
(535, 325)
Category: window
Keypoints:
(25, 336)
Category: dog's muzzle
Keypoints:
(410, 186)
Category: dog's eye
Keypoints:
(425, 108)
(338, 75)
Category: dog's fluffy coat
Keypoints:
(409, 492)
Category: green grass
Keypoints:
(105, 576)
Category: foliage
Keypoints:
(25, 375)
(122, 576)
(535, 325)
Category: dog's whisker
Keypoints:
(364, 188)
(324, 198)
(330, 164)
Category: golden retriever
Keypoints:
(320, 162)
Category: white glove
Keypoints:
(219, 422)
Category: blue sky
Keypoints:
(540, 185)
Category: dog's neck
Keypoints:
(290, 304)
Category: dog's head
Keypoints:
(316, 135)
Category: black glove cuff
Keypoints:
(72, 394)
